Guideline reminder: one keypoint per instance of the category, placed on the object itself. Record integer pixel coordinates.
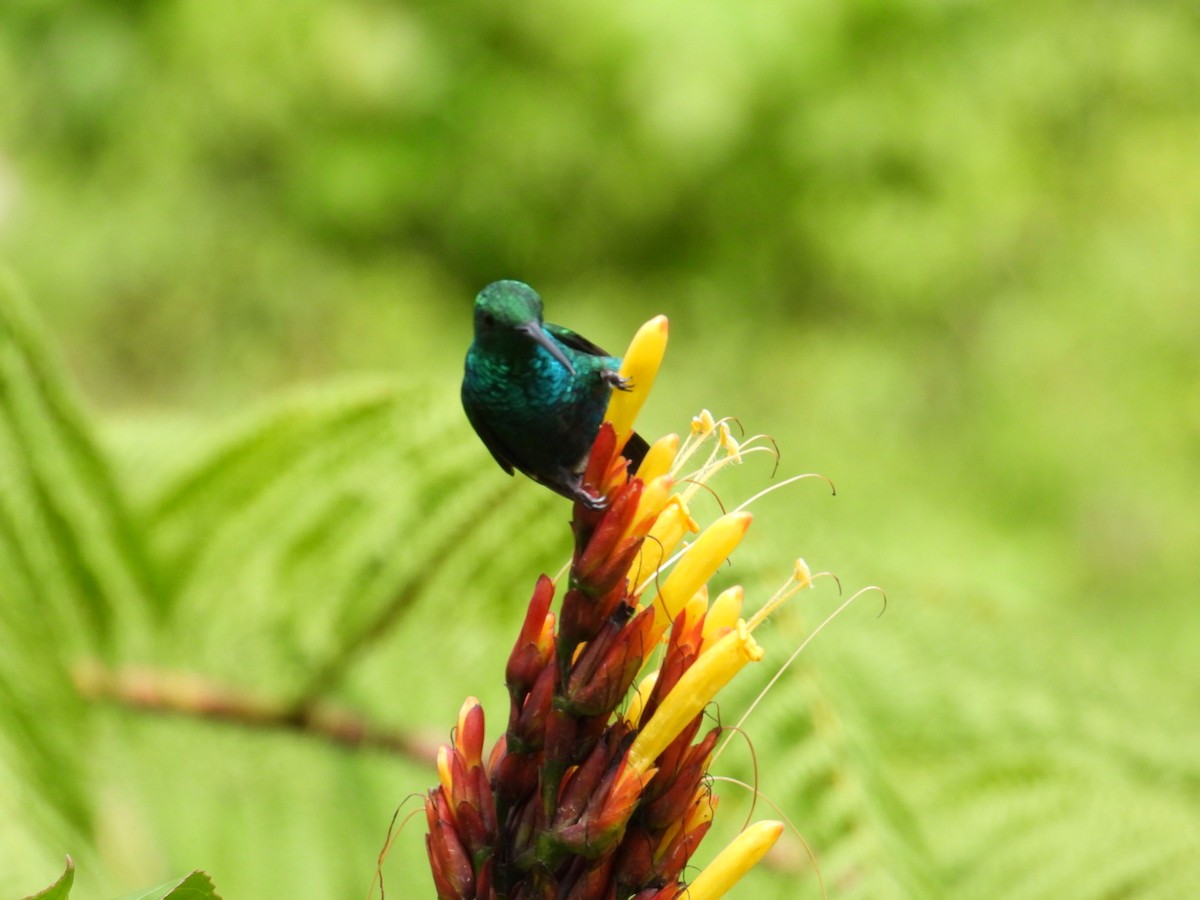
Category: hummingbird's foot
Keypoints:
(569, 484)
(614, 380)
(577, 492)
(591, 501)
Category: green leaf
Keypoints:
(80, 553)
(61, 889)
(831, 779)
(196, 886)
(310, 528)
(71, 558)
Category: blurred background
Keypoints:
(944, 253)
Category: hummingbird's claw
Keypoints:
(594, 503)
(577, 492)
(614, 380)
(570, 485)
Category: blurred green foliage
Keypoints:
(943, 252)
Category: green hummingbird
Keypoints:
(536, 393)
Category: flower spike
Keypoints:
(578, 799)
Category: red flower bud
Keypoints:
(604, 671)
(608, 533)
(594, 883)
(453, 875)
(535, 642)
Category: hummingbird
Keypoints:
(536, 393)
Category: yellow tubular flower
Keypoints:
(722, 615)
(696, 687)
(659, 458)
(654, 497)
(639, 366)
(699, 564)
(702, 809)
(665, 534)
(697, 606)
(734, 861)
(637, 700)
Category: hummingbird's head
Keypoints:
(503, 306)
(508, 314)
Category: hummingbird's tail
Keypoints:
(635, 451)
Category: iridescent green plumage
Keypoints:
(535, 392)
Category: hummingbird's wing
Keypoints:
(636, 446)
(490, 440)
(573, 340)
(635, 451)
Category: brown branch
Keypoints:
(160, 692)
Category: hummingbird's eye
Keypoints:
(488, 320)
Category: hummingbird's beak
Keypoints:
(537, 334)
